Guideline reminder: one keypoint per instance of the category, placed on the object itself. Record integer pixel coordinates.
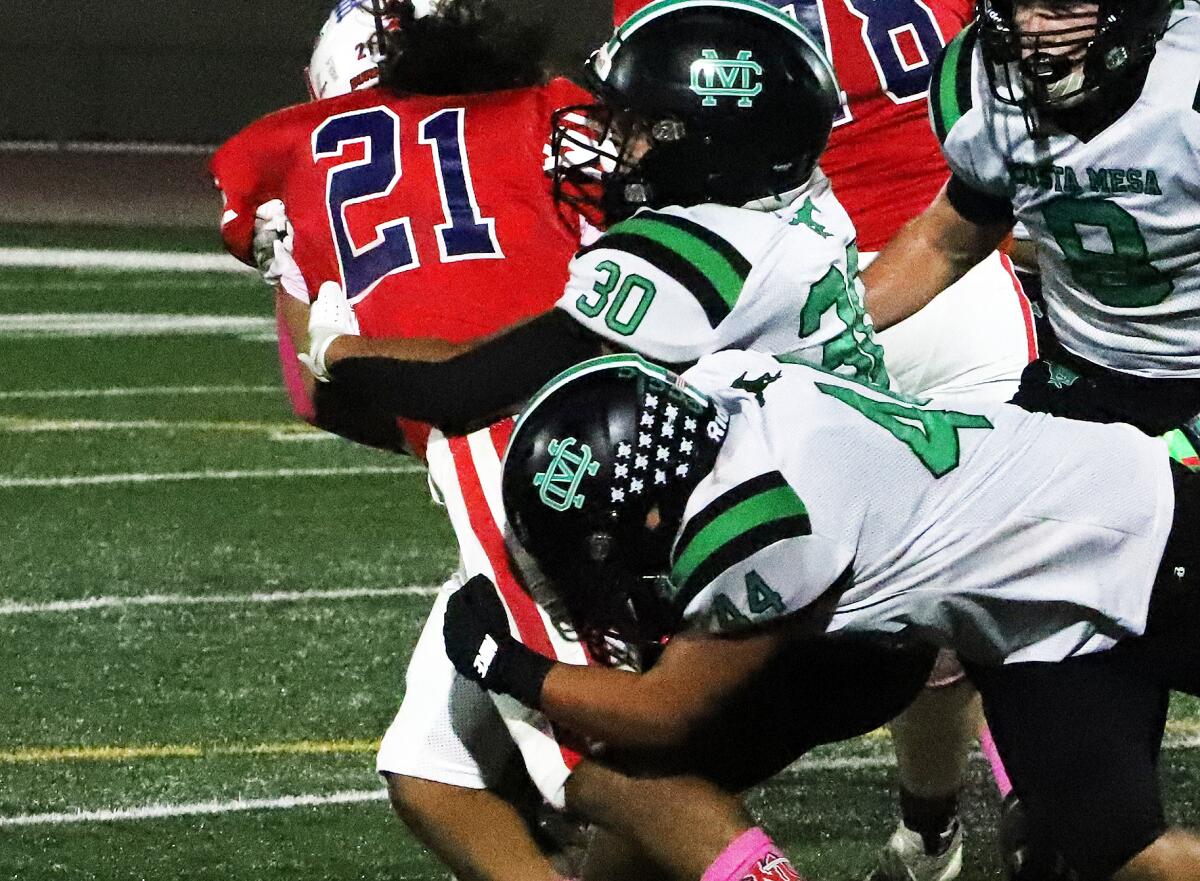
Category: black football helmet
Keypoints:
(725, 101)
(600, 466)
(1055, 70)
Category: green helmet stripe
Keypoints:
(736, 526)
(605, 362)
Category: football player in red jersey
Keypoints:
(886, 166)
(426, 199)
(318, 195)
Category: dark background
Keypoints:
(153, 70)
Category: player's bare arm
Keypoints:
(931, 252)
(424, 349)
(659, 709)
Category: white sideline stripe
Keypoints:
(136, 148)
(127, 283)
(109, 479)
(127, 392)
(18, 425)
(91, 324)
(88, 604)
(160, 811)
(888, 760)
(87, 258)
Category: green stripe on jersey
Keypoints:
(712, 269)
(728, 537)
(951, 83)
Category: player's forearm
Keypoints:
(422, 350)
(476, 386)
(931, 252)
(616, 707)
(664, 707)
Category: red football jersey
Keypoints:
(434, 213)
(883, 158)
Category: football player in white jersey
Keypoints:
(1080, 120)
(1077, 119)
(1057, 557)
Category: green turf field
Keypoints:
(200, 721)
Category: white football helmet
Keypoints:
(347, 53)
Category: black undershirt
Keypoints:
(978, 207)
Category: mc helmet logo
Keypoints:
(559, 483)
(714, 77)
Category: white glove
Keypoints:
(329, 317)
(273, 241)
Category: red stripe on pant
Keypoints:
(531, 628)
(501, 433)
(1026, 309)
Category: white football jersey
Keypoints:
(677, 283)
(1115, 217)
(1007, 535)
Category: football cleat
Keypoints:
(904, 857)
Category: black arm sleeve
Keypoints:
(975, 206)
(472, 389)
(356, 418)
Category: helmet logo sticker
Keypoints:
(714, 77)
(559, 483)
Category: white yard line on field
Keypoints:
(157, 282)
(100, 324)
(25, 425)
(160, 811)
(136, 392)
(88, 604)
(86, 258)
(128, 148)
(266, 473)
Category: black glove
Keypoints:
(483, 650)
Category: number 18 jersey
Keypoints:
(1114, 217)
(433, 212)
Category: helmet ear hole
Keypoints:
(599, 547)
